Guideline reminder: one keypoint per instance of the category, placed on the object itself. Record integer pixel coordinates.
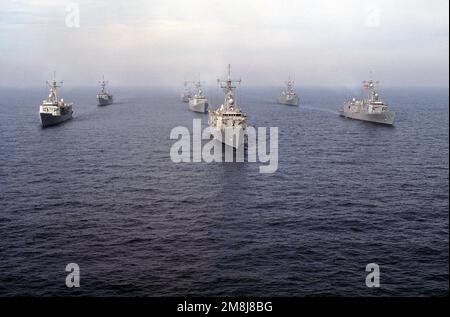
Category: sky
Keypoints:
(163, 42)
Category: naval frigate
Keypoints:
(104, 97)
(53, 111)
(228, 120)
(186, 94)
(370, 109)
(198, 102)
(288, 95)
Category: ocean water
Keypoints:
(102, 192)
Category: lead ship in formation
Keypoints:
(198, 102)
(52, 111)
(104, 97)
(288, 95)
(371, 109)
(228, 119)
(186, 95)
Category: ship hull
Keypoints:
(289, 102)
(234, 140)
(386, 118)
(48, 119)
(105, 101)
(198, 105)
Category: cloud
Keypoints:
(323, 42)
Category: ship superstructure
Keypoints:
(228, 119)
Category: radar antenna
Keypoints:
(228, 84)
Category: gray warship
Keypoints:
(52, 111)
(228, 117)
(186, 93)
(104, 97)
(288, 95)
(371, 109)
(198, 102)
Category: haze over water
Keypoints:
(160, 42)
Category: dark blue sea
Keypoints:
(101, 191)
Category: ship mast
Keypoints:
(198, 86)
(103, 84)
(369, 85)
(53, 96)
(290, 86)
(228, 85)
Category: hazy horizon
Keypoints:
(178, 86)
(161, 43)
